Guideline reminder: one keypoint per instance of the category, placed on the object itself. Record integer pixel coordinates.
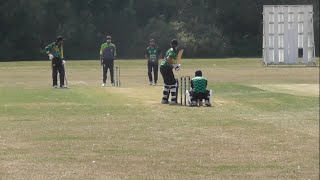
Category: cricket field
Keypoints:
(264, 123)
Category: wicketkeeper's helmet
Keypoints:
(198, 73)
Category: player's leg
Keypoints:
(61, 75)
(165, 94)
(193, 101)
(173, 86)
(166, 87)
(111, 74)
(208, 98)
(150, 72)
(104, 74)
(202, 97)
(54, 76)
(173, 92)
(155, 73)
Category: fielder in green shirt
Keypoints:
(153, 54)
(54, 51)
(108, 52)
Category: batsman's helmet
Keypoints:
(174, 43)
(59, 38)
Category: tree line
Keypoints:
(206, 28)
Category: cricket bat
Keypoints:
(179, 56)
(62, 56)
(65, 71)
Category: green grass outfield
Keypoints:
(264, 123)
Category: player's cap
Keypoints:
(60, 38)
(174, 43)
(108, 37)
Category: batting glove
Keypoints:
(63, 62)
(50, 56)
(177, 67)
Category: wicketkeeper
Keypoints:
(199, 90)
(107, 55)
(166, 68)
(54, 51)
(153, 54)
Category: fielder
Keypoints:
(199, 90)
(166, 68)
(54, 51)
(107, 55)
(153, 54)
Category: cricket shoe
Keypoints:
(207, 103)
(103, 85)
(63, 86)
(164, 101)
(193, 104)
(150, 83)
(154, 84)
(55, 86)
(173, 103)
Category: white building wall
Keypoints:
(286, 29)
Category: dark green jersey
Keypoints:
(153, 53)
(54, 49)
(172, 54)
(108, 51)
(199, 84)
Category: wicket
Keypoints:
(185, 85)
(117, 76)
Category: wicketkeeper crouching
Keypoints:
(54, 51)
(199, 91)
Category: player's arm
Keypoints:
(101, 53)
(48, 50)
(146, 54)
(115, 51)
(171, 60)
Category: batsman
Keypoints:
(166, 68)
(55, 53)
